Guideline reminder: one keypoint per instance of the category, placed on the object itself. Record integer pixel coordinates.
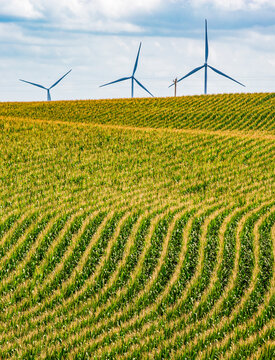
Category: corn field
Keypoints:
(138, 229)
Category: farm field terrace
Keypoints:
(135, 229)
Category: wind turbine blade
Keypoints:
(28, 82)
(220, 73)
(136, 63)
(190, 73)
(143, 87)
(206, 42)
(60, 79)
(132, 87)
(49, 95)
(113, 82)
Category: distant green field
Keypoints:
(212, 112)
(138, 229)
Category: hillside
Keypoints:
(138, 228)
(212, 112)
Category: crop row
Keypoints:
(138, 228)
(226, 111)
(181, 307)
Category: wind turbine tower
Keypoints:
(206, 65)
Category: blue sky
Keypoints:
(98, 39)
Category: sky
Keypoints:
(98, 39)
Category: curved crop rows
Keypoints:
(138, 240)
(212, 112)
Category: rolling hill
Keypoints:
(138, 229)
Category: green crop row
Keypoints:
(226, 111)
(138, 228)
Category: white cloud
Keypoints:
(122, 8)
(114, 16)
(43, 51)
(96, 60)
(19, 8)
(232, 5)
(112, 9)
(96, 15)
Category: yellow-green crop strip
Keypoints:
(138, 228)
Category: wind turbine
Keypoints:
(48, 89)
(132, 77)
(205, 66)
